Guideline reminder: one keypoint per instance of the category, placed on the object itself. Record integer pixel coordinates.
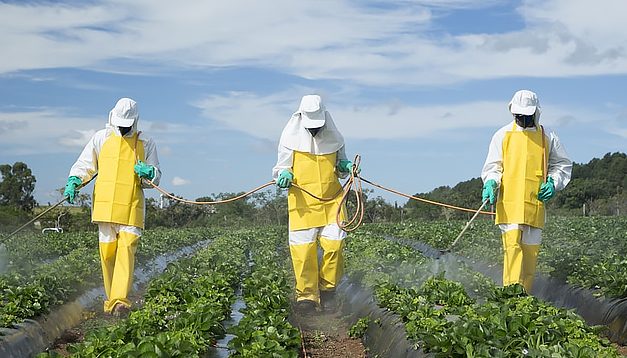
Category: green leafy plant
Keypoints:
(358, 330)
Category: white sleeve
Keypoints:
(559, 165)
(493, 166)
(150, 150)
(341, 155)
(284, 161)
(86, 166)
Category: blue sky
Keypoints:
(416, 87)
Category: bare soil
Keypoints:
(93, 318)
(325, 335)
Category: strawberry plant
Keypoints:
(584, 251)
(501, 322)
(183, 308)
(264, 331)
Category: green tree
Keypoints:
(175, 214)
(17, 186)
(271, 207)
(599, 184)
(421, 210)
(238, 210)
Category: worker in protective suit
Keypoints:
(525, 166)
(311, 155)
(121, 156)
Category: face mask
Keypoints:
(314, 131)
(124, 130)
(525, 121)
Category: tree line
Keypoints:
(596, 188)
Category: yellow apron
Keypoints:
(118, 197)
(316, 174)
(522, 175)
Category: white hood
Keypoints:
(296, 137)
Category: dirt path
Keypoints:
(325, 335)
(93, 318)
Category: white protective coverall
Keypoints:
(313, 161)
(515, 162)
(118, 198)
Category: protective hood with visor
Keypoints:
(299, 133)
(526, 108)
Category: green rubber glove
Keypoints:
(489, 191)
(70, 191)
(346, 166)
(547, 190)
(144, 170)
(285, 179)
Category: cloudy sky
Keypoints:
(417, 87)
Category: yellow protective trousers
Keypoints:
(118, 197)
(118, 245)
(332, 265)
(311, 273)
(519, 260)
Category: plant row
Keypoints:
(26, 252)
(370, 259)
(447, 319)
(185, 307)
(588, 251)
(183, 311)
(264, 331)
(28, 296)
(30, 293)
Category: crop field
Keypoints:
(587, 252)
(231, 295)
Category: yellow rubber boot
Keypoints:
(512, 258)
(305, 263)
(530, 259)
(332, 266)
(107, 262)
(123, 271)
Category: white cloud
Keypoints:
(54, 130)
(260, 116)
(323, 39)
(621, 132)
(44, 131)
(265, 116)
(178, 181)
(78, 141)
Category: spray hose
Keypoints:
(353, 184)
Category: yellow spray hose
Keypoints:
(241, 196)
(357, 218)
(427, 200)
(224, 201)
(353, 181)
